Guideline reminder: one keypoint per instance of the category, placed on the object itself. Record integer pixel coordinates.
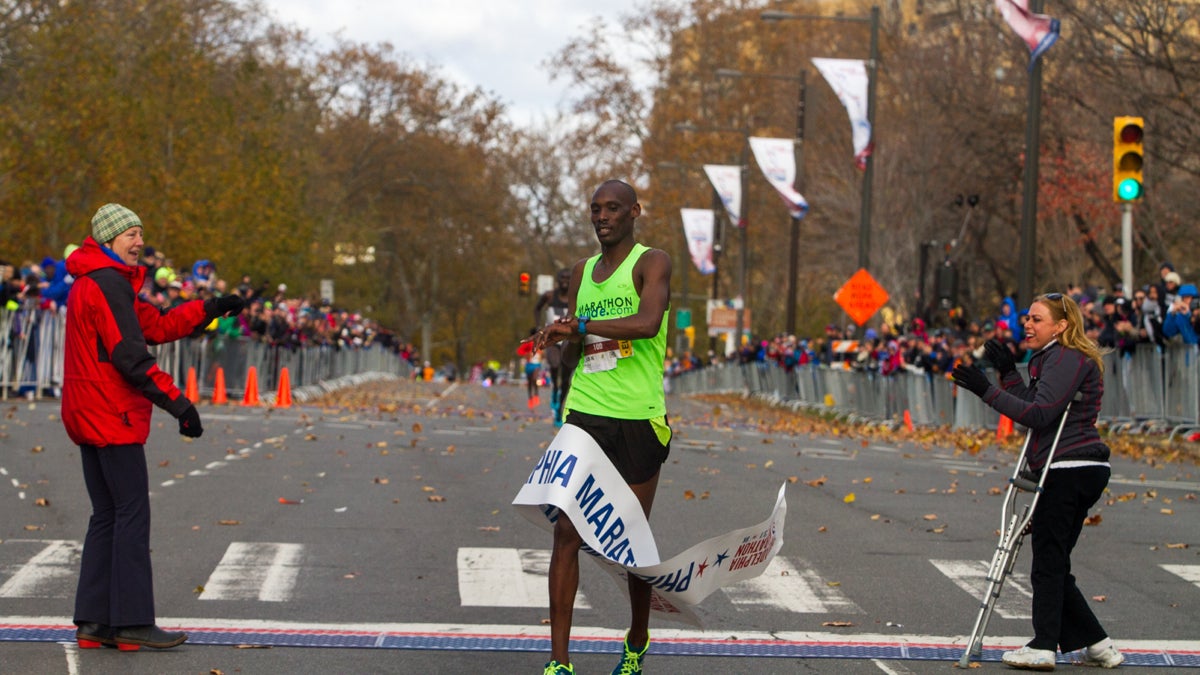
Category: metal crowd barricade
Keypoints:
(1144, 382)
(1114, 407)
(1182, 391)
(32, 343)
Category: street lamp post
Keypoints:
(794, 242)
(864, 221)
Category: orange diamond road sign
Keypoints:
(861, 296)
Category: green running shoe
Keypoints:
(556, 668)
(631, 661)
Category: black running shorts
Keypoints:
(631, 445)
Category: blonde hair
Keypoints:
(1062, 307)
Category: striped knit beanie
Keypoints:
(111, 220)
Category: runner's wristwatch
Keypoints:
(582, 321)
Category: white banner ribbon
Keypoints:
(575, 479)
(726, 179)
(848, 78)
(699, 226)
(777, 159)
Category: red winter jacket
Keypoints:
(111, 382)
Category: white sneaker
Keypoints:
(1103, 654)
(1029, 659)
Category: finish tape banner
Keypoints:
(576, 480)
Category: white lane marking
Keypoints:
(255, 571)
(791, 588)
(891, 669)
(506, 577)
(72, 654)
(45, 571)
(1015, 599)
(1189, 573)
(447, 392)
(1160, 484)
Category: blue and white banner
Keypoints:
(1037, 30)
(848, 78)
(699, 228)
(777, 159)
(575, 479)
(726, 179)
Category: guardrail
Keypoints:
(1150, 389)
(31, 358)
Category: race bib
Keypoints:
(600, 354)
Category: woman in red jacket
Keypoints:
(111, 383)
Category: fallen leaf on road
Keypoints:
(229, 522)
(489, 528)
(849, 498)
(838, 624)
(33, 528)
(793, 479)
(198, 590)
(436, 498)
(379, 481)
(416, 427)
(1167, 512)
(816, 482)
(822, 529)
(36, 449)
(41, 501)
(1099, 598)
(930, 516)
(1093, 519)
(688, 494)
(1179, 545)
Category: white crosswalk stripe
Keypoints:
(790, 585)
(255, 571)
(49, 573)
(1015, 599)
(1189, 573)
(506, 577)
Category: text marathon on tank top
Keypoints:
(617, 378)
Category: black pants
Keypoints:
(116, 587)
(1061, 616)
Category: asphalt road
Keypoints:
(368, 508)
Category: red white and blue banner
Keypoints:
(1037, 30)
(777, 159)
(699, 227)
(574, 479)
(848, 78)
(726, 179)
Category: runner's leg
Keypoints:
(639, 590)
(564, 583)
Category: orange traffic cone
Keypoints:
(1004, 429)
(219, 395)
(283, 398)
(251, 395)
(192, 390)
(908, 420)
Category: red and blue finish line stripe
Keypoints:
(1177, 653)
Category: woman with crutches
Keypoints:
(1066, 366)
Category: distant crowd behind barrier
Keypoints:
(315, 341)
(1150, 388)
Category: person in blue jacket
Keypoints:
(1180, 319)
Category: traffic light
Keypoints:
(1127, 159)
(523, 283)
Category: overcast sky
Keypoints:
(498, 46)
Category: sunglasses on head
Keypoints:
(1059, 297)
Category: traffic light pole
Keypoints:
(1127, 248)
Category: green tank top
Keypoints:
(621, 379)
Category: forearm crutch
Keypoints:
(1014, 520)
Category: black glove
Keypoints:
(226, 305)
(1000, 356)
(189, 423)
(971, 378)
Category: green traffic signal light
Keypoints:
(1129, 189)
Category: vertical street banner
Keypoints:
(726, 179)
(848, 78)
(573, 479)
(777, 159)
(699, 226)
(1037, 30)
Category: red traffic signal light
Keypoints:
(523, 283)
